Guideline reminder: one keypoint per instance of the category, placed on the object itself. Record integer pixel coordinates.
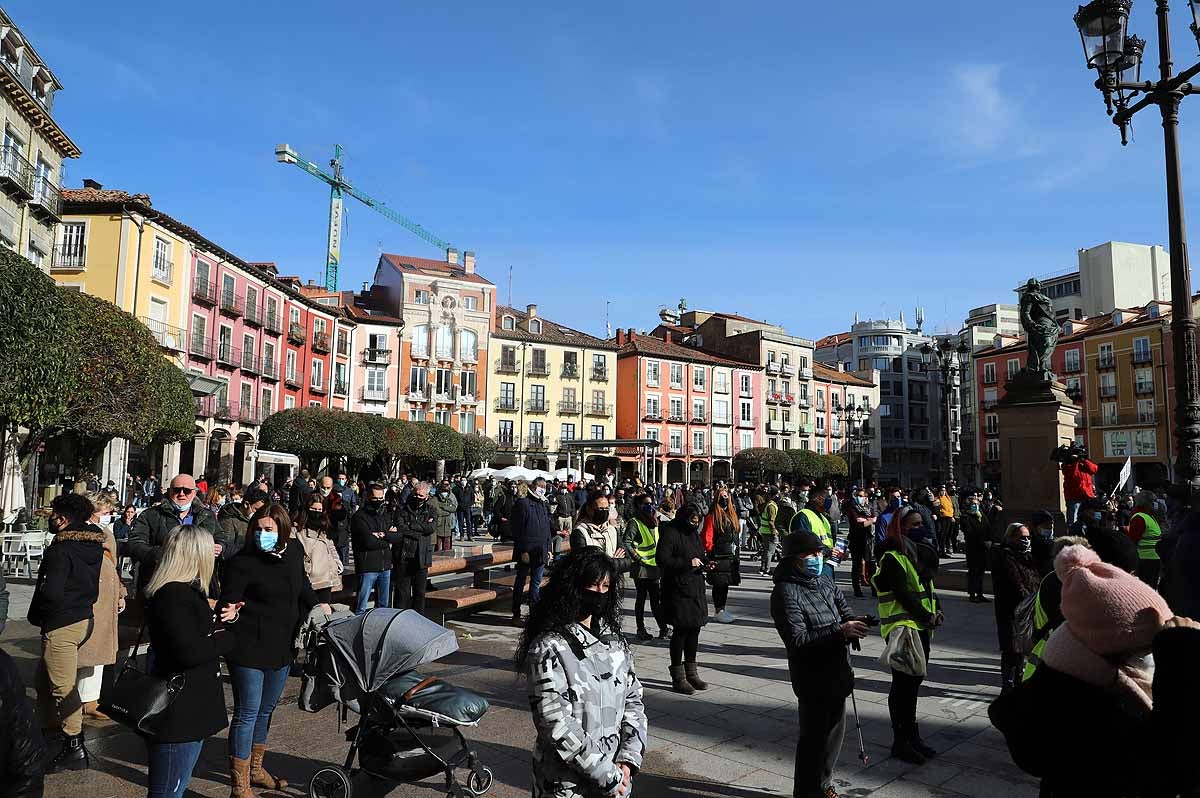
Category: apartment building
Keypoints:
(310, 329)
(550, 385)
(1110, 275)
(845, 416)
(34, 148)
(702, 407)
(447, 312)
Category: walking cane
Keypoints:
(862, 746)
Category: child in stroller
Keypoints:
(410, 726)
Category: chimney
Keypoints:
(531, 311)
(89, 183)
(620, 336)
(312, 283)
(366, 287)
(452, 256)
(469, 262)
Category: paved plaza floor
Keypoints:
(736, 740)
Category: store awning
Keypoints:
(202, 385)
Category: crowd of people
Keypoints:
(227, 573)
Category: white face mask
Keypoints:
(539, 492)
(326, 491)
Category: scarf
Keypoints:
(1133, 679)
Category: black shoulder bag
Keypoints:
(138, 699)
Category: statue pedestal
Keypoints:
(1035, 417)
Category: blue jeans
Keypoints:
(1073, 515)
(533, 571)
(382, 582)
(256, 691)
(171, 766)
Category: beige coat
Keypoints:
(101, 647)
(321, 561)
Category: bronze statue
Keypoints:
(1041, 330)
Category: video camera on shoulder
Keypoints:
(1068, 453)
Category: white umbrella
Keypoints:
(515, 472)
(481, 473)
(571, 473)
(12, 494)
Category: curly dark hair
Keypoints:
(558, 606)
(75, 507)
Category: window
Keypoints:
(539, 362)
(506, 433)
(676, 442)
(441, 417)
(71, 246)
(746, 440)
(508, 395)
(745, 412)
(697, 442)
(599, 365)
(162, 259)
(989, 373)
(267, 401)
(420, 340)
(821, 446)
(569, 396)
(1072, 360)
(289, 402)
(225, 343)
(443, 382)
(1108, 411)
(537, 397)
(598, 400)
(1012, 367)
(992, 424)
(421, 297)
(653, 408)
(248, 347)
(268, 356)
(772, 386)
(745, 384)
(597, 432)
(652, 373)
(535, 326)
(376, 383)
(291, 366)
(770, 356)
(1074, 385)
(1108, 384)
(318, 374)
(1105, 357)
(468, 344)
(319, 326)
(676, 405)
(1141, 350)
(1143, 380)
(697, 408)
(773, 443)
(508, 323)
(787, 444)
(993, 450)
(466, 421)
(36, 252)
(418, 380)
(467, 383)
(445, 342)
(340, 383)
(416, 415)
(720, 381)
(246, 396)
(470, 303)
(294, 316)
(536, 436)
(1145, 408)
(566, 432)
(676, 375)
(252, 301)
(721, 411)
(820, 423)
(698, 378)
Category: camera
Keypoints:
(1068, 453)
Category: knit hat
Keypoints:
(802, 541)
(1109, 610)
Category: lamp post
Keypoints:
(950, 360)
(852, 418)
(1116, 56)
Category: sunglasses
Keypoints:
(182, 491)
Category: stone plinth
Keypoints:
(1035, 417)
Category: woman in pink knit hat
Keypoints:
(1084, 722)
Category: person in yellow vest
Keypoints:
(814, 519)
(1145, 532)
(641, 544)
(768, 533)
(1047, 610)
(904, 583)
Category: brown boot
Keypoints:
(239, 778)
(679, 682)
(693, 676)
(259, 777)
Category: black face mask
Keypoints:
(416, 502)
(600, 515)
(376, 504)
(592, 604)
(314, 522)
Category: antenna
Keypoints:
(510, 285)
(607, 325)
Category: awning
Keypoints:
(202, 385)
(278, 458)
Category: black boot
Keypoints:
(71, 755)
(920, 745)
(644, 635)
(905, 751)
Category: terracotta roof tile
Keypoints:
(649, 345)
(821, 372)
(552, 332)
(432, 268)
(833, 340)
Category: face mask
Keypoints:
(814, 564)
(314, 520)
(646, 509)
(341, 483)
(376, 504)
(326, 491)
(1024, 545)
(592, 604)
(417, 501)
(1046, 534)
(181, 508)
(973, 507)
(600, 515)
(266, 540)
(802, 497)
(562, 492)
(724, 502)
(540, 493)
(1096, 518)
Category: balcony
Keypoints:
(225, 411)
(71, 258)
(340, 387)
(16, 175)
(652, 414)
(698, 418)
(697, 451)
(506, 366)
(535, 443)
(375, 394)
(270, 371)
(570, 371)
(505, 404)
(677, 418)
(296, 335)
(599, 374)
(318, 385)
(163, 271)
(566, 441)
(272, 323)
(745, 423)
(419, 354)
(787, 370)
(1143, 388)
(1141, 358)
(250, 363)
(788, 399)
(47, 200)
(443, 398)
(1108, 391)
(320, 342)
(720, 387)
(464, 398)
(746, 392)
(168, 337)
(538, 370)
(294, 379)
(509, 443)
(723, 421)
(675, 448)
(377, 357)
(200, 347)
(343, 344)
(603, 411)
(569, 408)
(417, 396)
(775, 428)
(1072, 367)
(804, 402)
(1106, 361)
(774, 398)
(471, 357)
(446, 355)
(1124, 420)
(537, 406)
(806, 373)
(253, 315)
(807, 429)
(229, 356)
(772, 367)
(249, 414)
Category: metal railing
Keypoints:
(536, 406)
(1108, 391)
(505, 366)
(504, 403)
(1142, 357)
(698, 418)
(231, 303)
(509, 442)
(374, 394)
(320, 342)
(1124, 419)
(250, 363)
(229, 355)
(270, 370)
(272, 323)
(378, 356)
(1108, 361)
(73, 258)
(296, 334)
(16, 173)
(167, 336)
(722, 421)
(418, 396)
(806, 373)
(1143, 388)
(47, 197)
(535, 442)
(201, 347)
(605, 411)
(570, 371)
(538, 370)
(599, 374)
(317, 385)
(253, 315)
(340, 387)
(652, 415)
(772, 367)
(294, 379)
(163, 270)
(204, 291)
(570, 408)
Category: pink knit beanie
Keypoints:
(1108, 609)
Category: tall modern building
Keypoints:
(35, 146)
(911, 412)
(1110, 275)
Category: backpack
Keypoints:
(1024, 633)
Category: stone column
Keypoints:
(170, 463)
(199, 456)
(1035, 418)
(114, 462)
(225, 463)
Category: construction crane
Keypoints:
(338, 186)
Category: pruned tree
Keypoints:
(833, 465)
(763, 461)
(806, 463)
(478, 449)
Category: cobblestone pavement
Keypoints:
(735, 740)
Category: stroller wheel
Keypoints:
(329, 782)
(480, 781)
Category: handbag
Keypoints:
(904, 652)
(138, 699)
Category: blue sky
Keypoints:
(791, 161)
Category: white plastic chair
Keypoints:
(35, 546)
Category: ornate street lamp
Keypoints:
(1102, 29)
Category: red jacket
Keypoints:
(1077, 480)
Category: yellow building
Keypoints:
(548, 384)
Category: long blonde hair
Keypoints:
(187, 557)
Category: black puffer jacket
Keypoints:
(68, 580)
(416, 526)
(684, 596)
(150, 532)
(531, 525)
(21, 745)
(809, 612)
(278, 596)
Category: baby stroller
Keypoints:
(410, 726)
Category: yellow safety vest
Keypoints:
(891, 612)
(764, 526)
(819, 524)
(647, 544)
(1041, 634)
(1146, 546)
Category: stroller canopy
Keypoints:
(383, 642)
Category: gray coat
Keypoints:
(446, 506)
(588, 712)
